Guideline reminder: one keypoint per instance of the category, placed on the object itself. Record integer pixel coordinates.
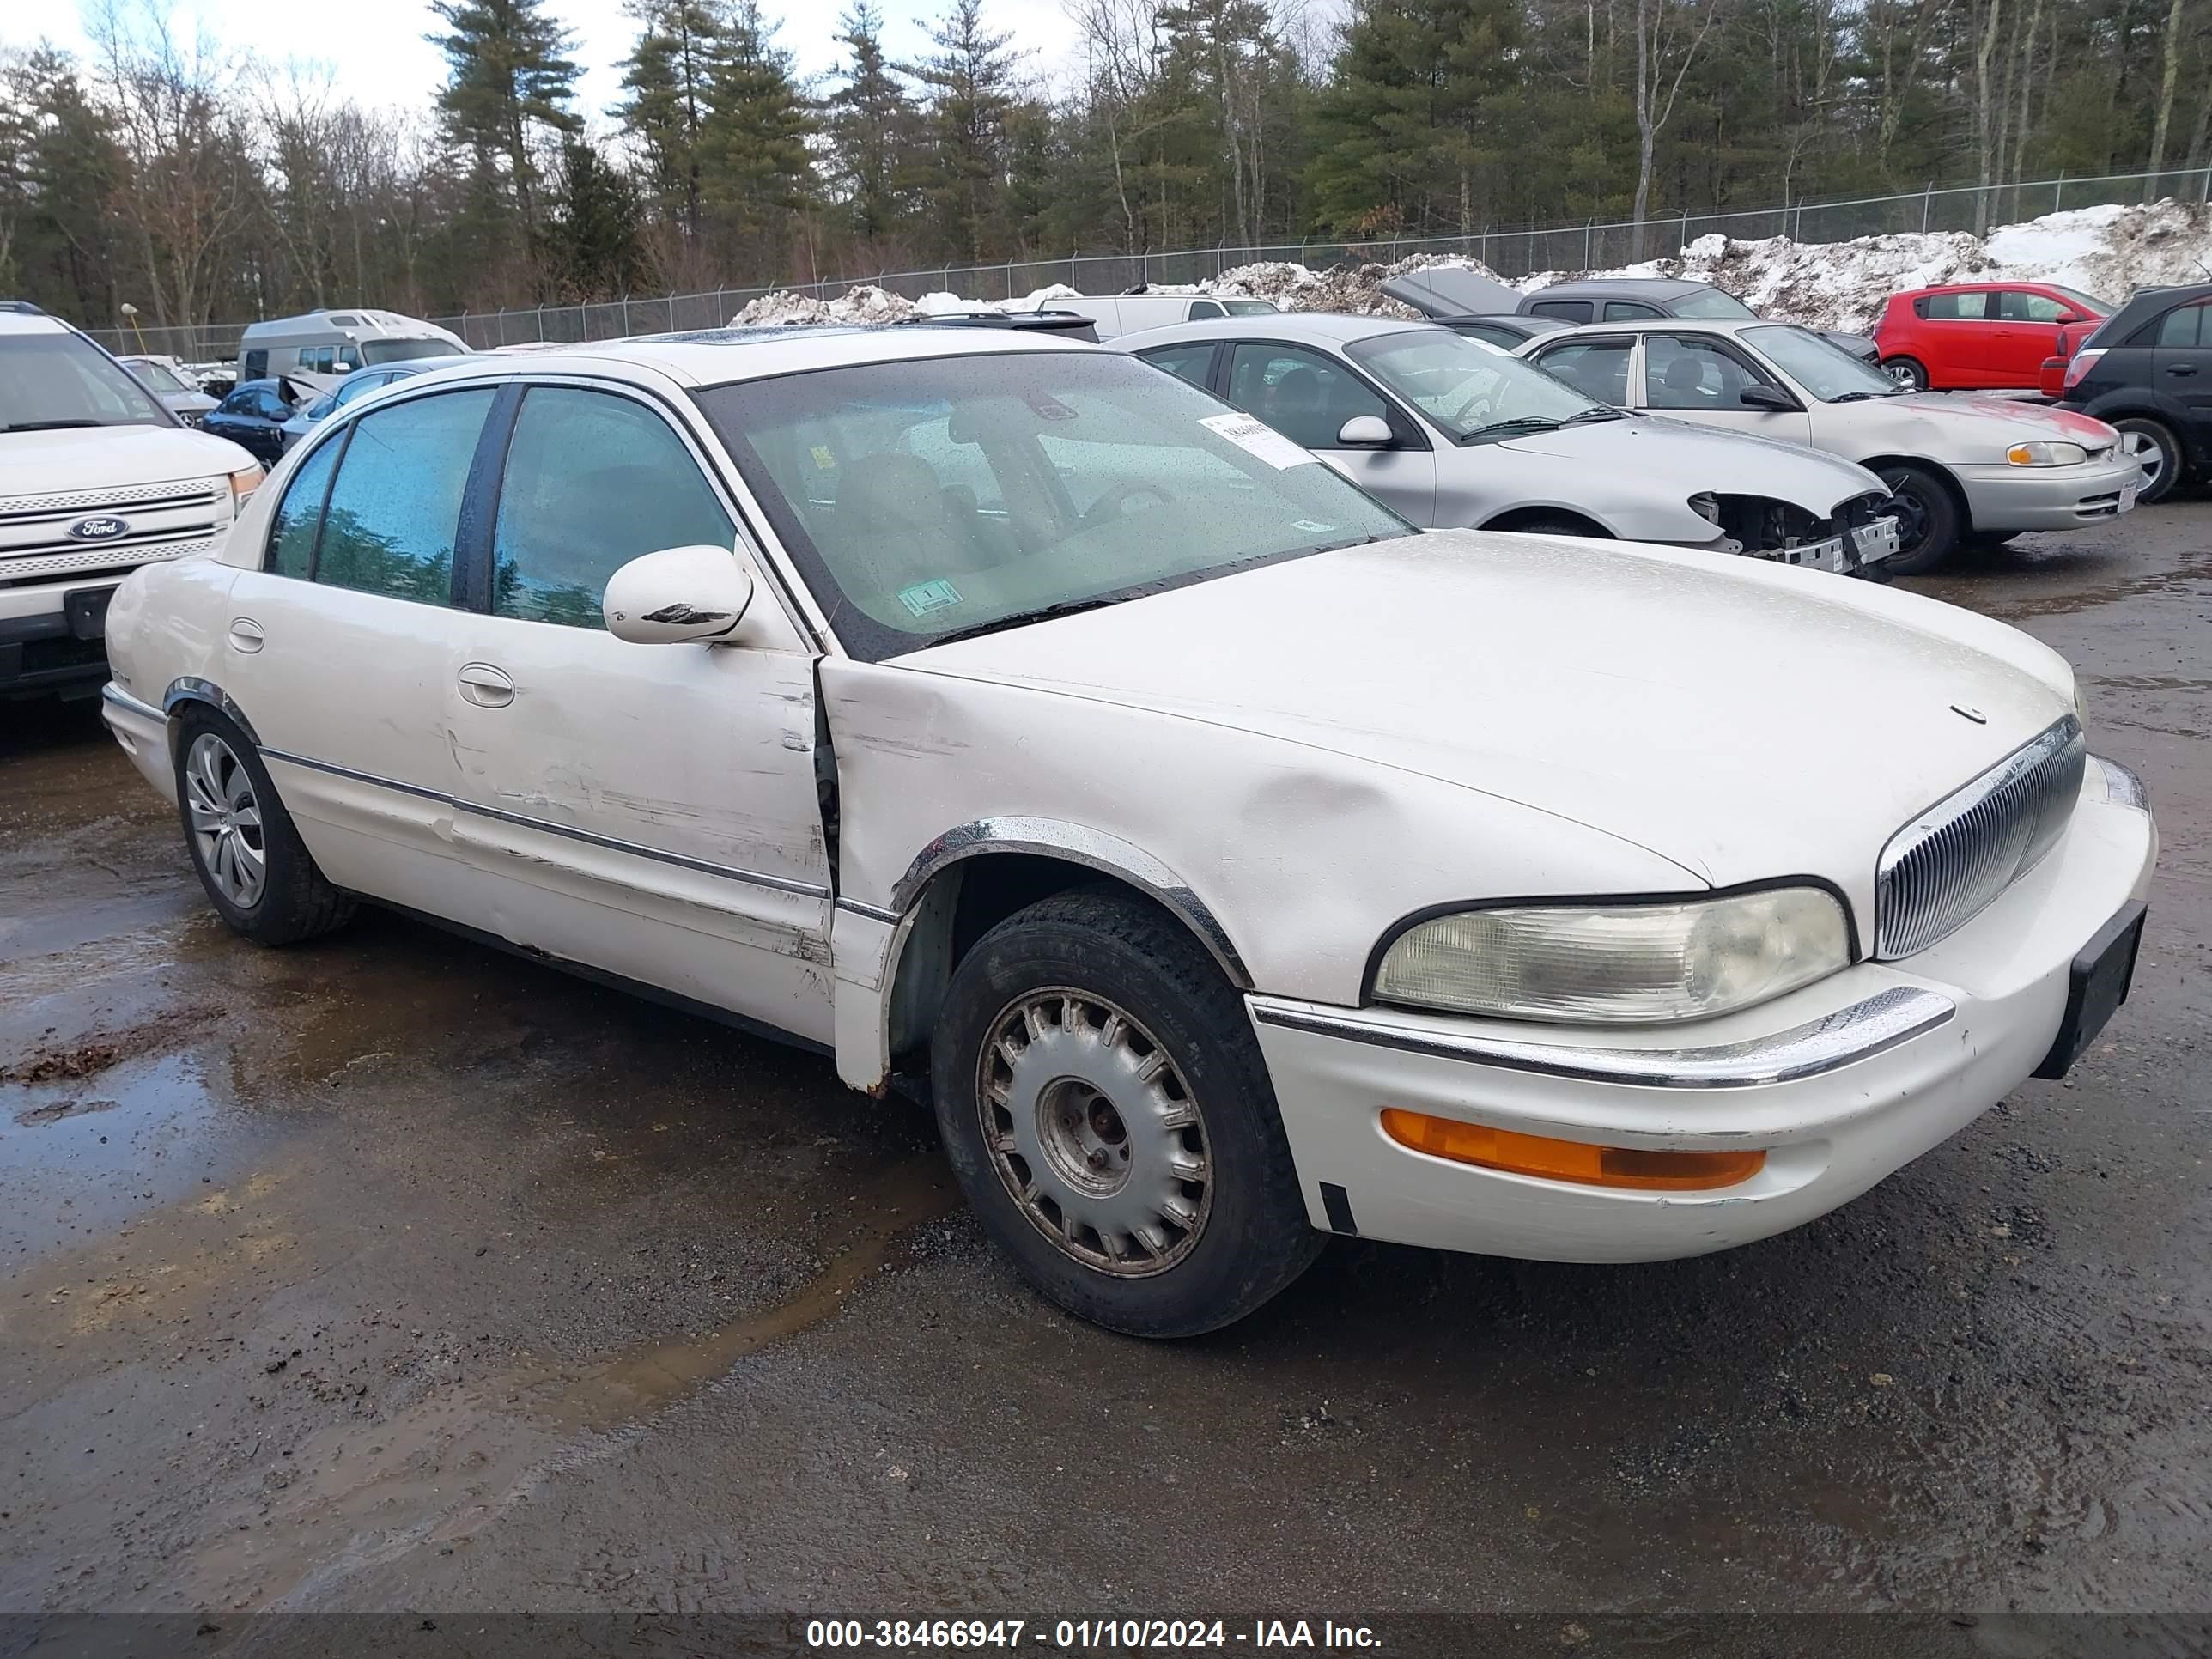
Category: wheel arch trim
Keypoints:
(1074, 843)
(189, 689)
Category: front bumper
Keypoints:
(1840, 1082)
(2008, 498)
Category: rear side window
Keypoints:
(1597, 368)
(592, 481)
(1957, 307)
(1193, 363)
(2186, 326)
(1572, 310)
(291, 532)
(396, 505)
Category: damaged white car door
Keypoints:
(653, 811)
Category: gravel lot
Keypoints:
(395, 1273)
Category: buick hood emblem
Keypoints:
(1973, 715)
(97, 530)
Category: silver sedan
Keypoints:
(1966, 469)
(1454, 432)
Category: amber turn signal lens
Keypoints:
(1569, 1160)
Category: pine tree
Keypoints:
(508, 77)
(970, 79)
(871, 127)
(668, 79)
(593, 233)
(756, 173)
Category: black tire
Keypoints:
(2156, 433)
(1933, 520)
(293, 902)
(1252, 1237)
(1908, 372)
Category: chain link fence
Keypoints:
(1513, 253)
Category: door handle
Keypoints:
(245, 635)
(485, 686)
(2181, 368)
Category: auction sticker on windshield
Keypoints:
(1257, 439)
(925, 597)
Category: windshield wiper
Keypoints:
(1861, 396)
(47, 426)
(1521, 423)
(1023, 618)
(1603, 412)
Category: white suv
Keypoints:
(96, 478)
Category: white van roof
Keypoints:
(354, 322)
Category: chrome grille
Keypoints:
(1941, 869)
(192, 492)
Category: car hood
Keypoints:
(111, 457)
(1744, 720)
(1970, 430)
(1703, 458)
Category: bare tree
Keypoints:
(1667, 42)
(2170, 75)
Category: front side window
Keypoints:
(1112, 480)
(1627, 311)
(49, 381)
(1251, 307)
(1711, 302)
(592, 481)
(1693, 372)
(1302, 394)
(396, 504)
(1820, 365)
(1571, 311)
(2018, 305)
(1470, 390)
(1193, 363)
(1596, 369)
(1202, 309)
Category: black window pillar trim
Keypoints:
(472, 531)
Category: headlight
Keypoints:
(243, 483)
(1623, 964)
(2039, 453)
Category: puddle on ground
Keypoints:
(80, 1155)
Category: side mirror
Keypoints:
(2065, 317)
(677, 595)
(1364, 432)
(1766, 397)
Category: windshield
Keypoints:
(1467, 387)
(1249, 307)
(396, 351)
(946, 495)
(49, 381)
(1711, 303)
(155, 378)
(1821, 366)
(2081, 301)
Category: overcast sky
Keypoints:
(382, 57)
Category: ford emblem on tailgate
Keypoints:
(97, 530)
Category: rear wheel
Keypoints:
(1105, 1106)
(2158, 452)
(257, 872)
(1907, 372)
(1931, 520)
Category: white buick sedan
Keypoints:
(1236, 864)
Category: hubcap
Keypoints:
(1093, 1130)
(1903, 374)
(2150, 456)
(226, 820)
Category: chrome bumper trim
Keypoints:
(115, 694)
(2121, 786)
(1866, 1029)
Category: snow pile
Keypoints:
(2106, 250)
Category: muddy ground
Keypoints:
(396, 1273)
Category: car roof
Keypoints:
(1672, 325)
(32, 322)
(720, 356)
(1321, 327)
(1647, 288)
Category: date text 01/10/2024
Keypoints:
(1084, 1635)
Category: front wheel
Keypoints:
(1931, 521)
(1106, 1109)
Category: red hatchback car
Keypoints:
(1971, 335)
